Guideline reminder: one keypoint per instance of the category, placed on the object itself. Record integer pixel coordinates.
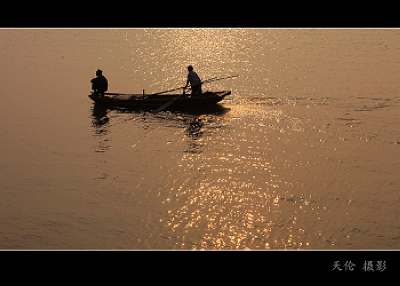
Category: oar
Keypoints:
(162, 107)
(165, 105)
(168, 90)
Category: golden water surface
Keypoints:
(303, 155)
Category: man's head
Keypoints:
(190, 68)
(99, 72)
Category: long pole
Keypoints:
(205, 81)
(213, 79)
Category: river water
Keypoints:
(303, 155)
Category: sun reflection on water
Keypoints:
(230, 195)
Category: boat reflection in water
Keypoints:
(193, 123)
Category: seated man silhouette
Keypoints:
(99, 83)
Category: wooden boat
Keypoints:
(153, 101)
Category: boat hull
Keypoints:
(152, 102)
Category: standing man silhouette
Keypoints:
(194, 81)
